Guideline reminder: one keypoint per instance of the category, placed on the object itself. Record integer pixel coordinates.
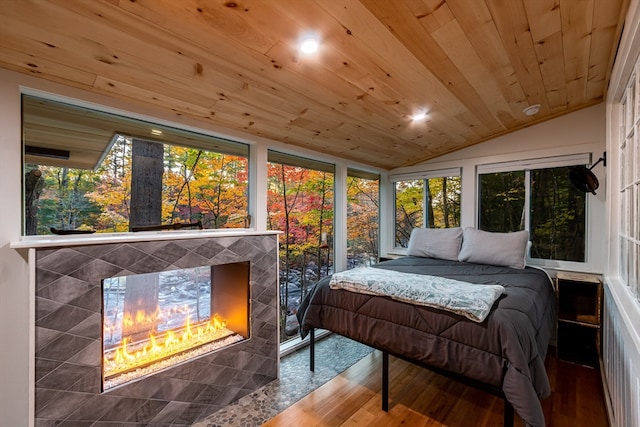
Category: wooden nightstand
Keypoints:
(579, 302)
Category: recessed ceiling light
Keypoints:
(156, 132)
(532, 110)
(419, 116)
(309, 45)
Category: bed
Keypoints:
(504, 353)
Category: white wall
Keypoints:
(14, 301)
(580, 132)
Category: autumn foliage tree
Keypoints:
(432, 203)
(409, 211)
(197, 185)
(62, 202)
(205, 186)
(362, 221)
(300, 203)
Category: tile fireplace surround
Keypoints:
(67, 328)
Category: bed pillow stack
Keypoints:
(470, 245)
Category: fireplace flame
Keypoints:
(128, 356)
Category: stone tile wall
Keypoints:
(68, 353)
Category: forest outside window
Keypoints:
(90, 171)
(363, 197)
(428, 199)
(300, 203)
(540, 198)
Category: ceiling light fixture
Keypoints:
(532, 110)
(419, 116)
(309, 45)
(156, 132)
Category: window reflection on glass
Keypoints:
(90, 171)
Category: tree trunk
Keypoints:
(445, 202)
(146, 183)
(33, 184)
(430, 220)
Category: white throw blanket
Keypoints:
(473, 301)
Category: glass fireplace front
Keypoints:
(156, 320)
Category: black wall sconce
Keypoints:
(584, 179)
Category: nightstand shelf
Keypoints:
(579, 297)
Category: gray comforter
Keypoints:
(507, 350)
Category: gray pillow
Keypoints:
(503, 249)
(441, 243)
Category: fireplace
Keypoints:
(153, 321)
(76, 281)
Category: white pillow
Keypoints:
(441, 243)
(503, 249)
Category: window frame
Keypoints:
(527, 165)
(288, 344)
(628, 189)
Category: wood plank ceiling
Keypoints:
(471, 65)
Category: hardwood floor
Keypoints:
(418, 397)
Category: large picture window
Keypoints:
(363, 204)
(300, 204)
(90, 171)
(430, 199)
(539, 199)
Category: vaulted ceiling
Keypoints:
(471, 65)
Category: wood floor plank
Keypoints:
(421, 398)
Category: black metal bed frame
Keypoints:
(496, 391)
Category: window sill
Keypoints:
(578, 267)
(295, 344)
(103, 238)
